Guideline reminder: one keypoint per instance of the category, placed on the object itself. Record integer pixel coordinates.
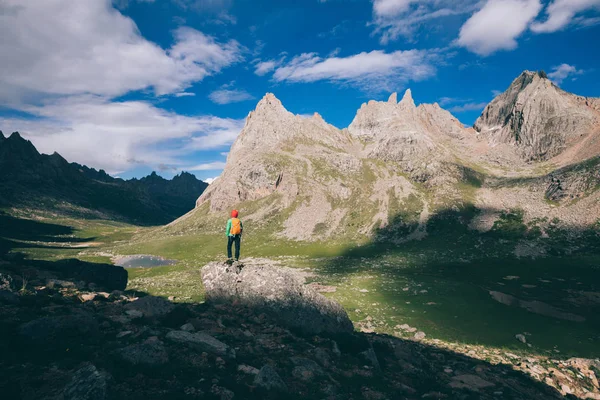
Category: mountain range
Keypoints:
(398, 167)
(37, 181)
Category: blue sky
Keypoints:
(132, 86)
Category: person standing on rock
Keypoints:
(234, 234)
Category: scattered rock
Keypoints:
(247, 369)
(188, 327)
(371, 357)
(305, 369)
(87, 297)
(420, 335)
(521, 338)
(87, 384)
(471, 382)
(151, 306)
(150, 354)
(270, 380)
(134, 314)
(123, 334)
(202, 342)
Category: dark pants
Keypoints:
(230, 241)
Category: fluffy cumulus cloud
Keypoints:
(68, 61)
(395, 18)
(561, 13)
(227, 96)
(119, 135)
(264, 67)
(372, 70)
(497, 25)
(562, 72)
(71, 47)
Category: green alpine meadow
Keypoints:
(330, 200)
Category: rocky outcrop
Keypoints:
(145, 359)
(276, 291)
(537, 117)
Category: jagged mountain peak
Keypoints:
(407, 99)
(393, 98)
(538, 118)
(270, 102)
(17, 146)
(2, 137)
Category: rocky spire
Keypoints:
(2, 138)
(269, 102)
(407, 99)
(393, 98)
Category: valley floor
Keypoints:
(470, 293)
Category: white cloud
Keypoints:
(496, 93)
(210, 180)
(368, 70)
(67, 47)
(395, 18)
(212, 166)
(185, 94)
(264, 67)
(497, 25)
(118, 135)
(468, 107)
(460, 104)
(391, 7)
(227, 96)
(561, 13)
(562, 72)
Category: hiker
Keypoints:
(234, 234)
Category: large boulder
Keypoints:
(277, 291)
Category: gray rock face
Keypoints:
(279, 292)
(202, 342)
(151, 307)
(270, 380)
(87, 384)
(50, 331)
(536, 116)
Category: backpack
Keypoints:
(236, 226)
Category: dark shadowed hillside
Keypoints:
(29, 179)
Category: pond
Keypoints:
(142, 261)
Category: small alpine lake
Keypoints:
(142, 261)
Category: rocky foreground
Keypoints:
(61, 340)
